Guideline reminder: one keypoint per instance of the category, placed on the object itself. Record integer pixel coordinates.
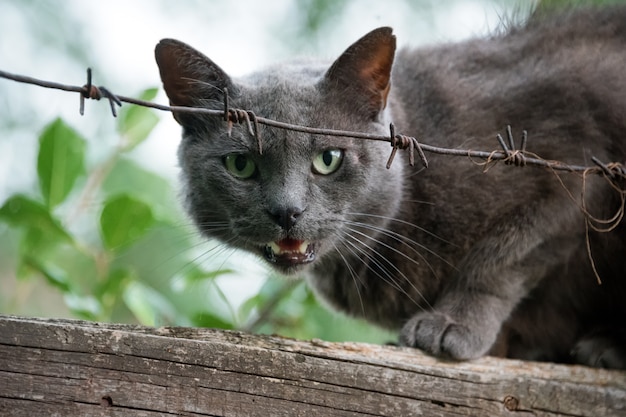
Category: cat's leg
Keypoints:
(496, 274)
(465, 322)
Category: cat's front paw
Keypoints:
(441, 335)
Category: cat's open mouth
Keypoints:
(290, 252)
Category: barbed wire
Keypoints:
(510, 155)
(613, 172)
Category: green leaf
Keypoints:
(148, 305)
(60, 161)
(114, 283)
(22, 211)
(110, 294)
(127, 177)
(136, 122)
(123, 220)
(53, 275)
(210, 320)
(84, 306)
(198, 274)
(149, 94)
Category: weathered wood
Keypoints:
(72, 368)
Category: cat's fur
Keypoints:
(463, 261)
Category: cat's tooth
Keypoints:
(290, 252)
(275, 248)
(278, 250)
(303, 247)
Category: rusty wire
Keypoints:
(613, 172)
(509, 153)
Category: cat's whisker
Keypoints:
(213, 228)
(427, 203)
(398, 271)
(413, 245)
(371, 254)
(359, 253)
(355, 277)
(419, 171)
(196, 230)
(383, 244)
(393, 235)
(402, 222)
(212, 252)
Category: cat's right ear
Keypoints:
(190, 79)
(361, 76)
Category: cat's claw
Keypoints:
(438, 334)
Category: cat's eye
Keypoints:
(240, 165)
(328, 161)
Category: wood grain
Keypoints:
(76, 368)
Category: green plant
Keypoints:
(87, 230)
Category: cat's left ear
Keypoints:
(361, 75)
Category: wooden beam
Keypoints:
(74, 368)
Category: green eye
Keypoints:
(240, 165)
(328, 161)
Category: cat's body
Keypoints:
(463, 262)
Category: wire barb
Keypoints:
(96, 93)
(513, 156)
(605, 168)
(239, 116)
(405, 142)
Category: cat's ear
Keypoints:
(362, 73)
(189, 78)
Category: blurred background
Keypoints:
(90, 220)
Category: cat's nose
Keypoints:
(286, 217)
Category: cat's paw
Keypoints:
(441, 335)
(600, 351)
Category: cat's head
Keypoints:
(303, 197)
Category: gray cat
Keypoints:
(462, 260)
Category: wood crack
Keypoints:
(72, 368)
